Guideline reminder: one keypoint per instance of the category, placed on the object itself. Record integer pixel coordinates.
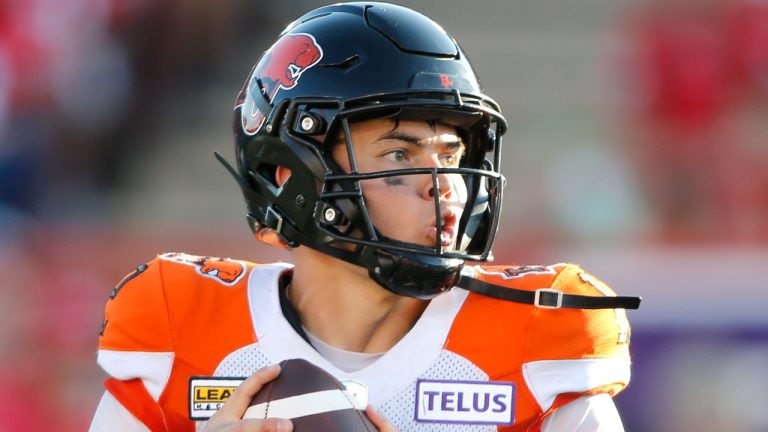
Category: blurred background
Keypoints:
(638, 148)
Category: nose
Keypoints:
(445, 187)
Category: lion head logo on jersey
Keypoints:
(226, 271)
(280, 68)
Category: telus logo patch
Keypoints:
(475, 402)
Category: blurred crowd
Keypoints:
(83, 82)
(79, 82)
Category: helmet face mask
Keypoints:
(326, 73)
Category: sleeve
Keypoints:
(112, 416)
(136, 344)
(574, 352)
(586, 414)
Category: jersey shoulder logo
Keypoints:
(226, 271)
(520, 271)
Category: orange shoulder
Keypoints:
(497, 333)
(491, 332)
(208, 308)
(193, 305)
(135, 316)
(578, 333)
(553, 351)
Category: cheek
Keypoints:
(386, 200)
(339, 153)
(459, 187)
(385, 190)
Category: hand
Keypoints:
(229, 418)
(379, 420)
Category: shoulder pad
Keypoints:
(135, 315)
(580, 332)
(586, 332)
(550, 287)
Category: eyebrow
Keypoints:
(417, 141)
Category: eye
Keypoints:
(451, 159)
(452, 154)
(397, 155)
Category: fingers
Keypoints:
(379, 420)
(253, 425)
(229, 416)
(263, 425)
(242, 396)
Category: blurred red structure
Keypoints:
(701, 149)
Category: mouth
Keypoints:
(448, 229)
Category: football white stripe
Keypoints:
(304, 405)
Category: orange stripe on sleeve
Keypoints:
(134, 397)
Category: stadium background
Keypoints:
(638, 147)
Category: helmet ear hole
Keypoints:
(265, 173)
(274, 175)
(282, 174)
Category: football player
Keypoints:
(364, 142)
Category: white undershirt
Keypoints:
(348, 361)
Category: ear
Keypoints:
(282, 174)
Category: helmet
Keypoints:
(346, 63)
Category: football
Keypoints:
(312, 398)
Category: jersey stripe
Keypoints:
(549, 378)
(153, 368)
(134, 397)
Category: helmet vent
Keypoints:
(408, 29)
(343, 64)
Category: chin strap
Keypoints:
(547, 298)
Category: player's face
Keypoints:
(403, 207)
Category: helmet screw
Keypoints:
(300, 201)
(330, 214)
(377, 270)
(268, 128)
(307, 123)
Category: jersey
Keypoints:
(181, 332)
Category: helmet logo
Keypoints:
(280, 68)
(445, 81)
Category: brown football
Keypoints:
(312, 398)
